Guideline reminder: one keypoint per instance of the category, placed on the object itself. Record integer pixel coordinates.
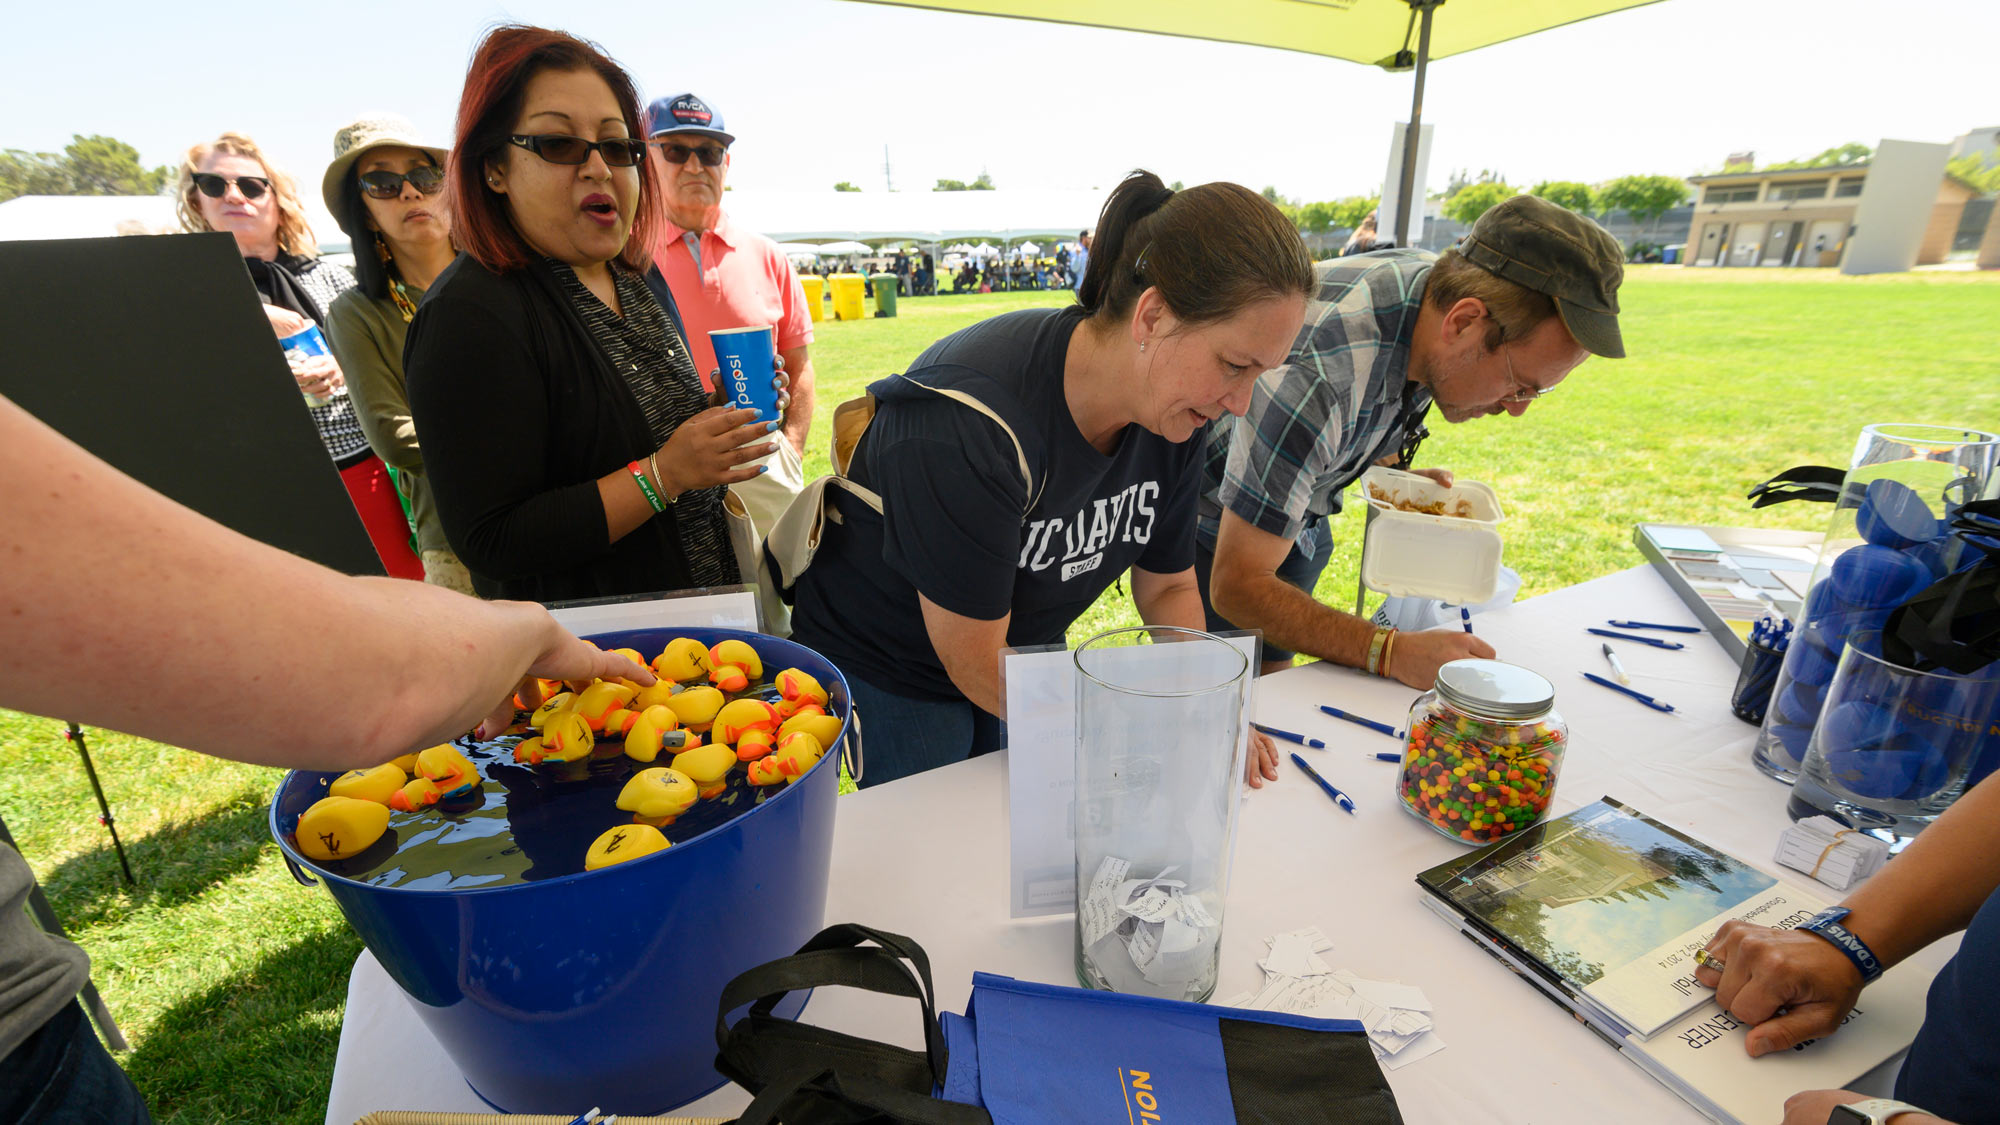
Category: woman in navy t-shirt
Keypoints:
(1190, 296)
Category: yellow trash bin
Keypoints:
(849, 296)
(814, 286)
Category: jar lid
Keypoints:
(1495, 690)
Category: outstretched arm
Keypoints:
(126, 610)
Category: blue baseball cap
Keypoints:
(685, 113)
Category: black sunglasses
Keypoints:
(678, 153)
(556, 148)
(384, 184)
(215, 187)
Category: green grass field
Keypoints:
(229, 977)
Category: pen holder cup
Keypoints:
(1159, 749)
(1759, 675)
(1884, 542)
(1895, 747)
(1485, 747)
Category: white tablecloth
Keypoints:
(927, 857)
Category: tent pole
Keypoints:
(1406, 186)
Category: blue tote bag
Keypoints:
(1034, 1053)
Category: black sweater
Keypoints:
(518, 413)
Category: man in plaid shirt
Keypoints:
(1487, 328)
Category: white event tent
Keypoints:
(936, 217)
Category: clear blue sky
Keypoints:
(806, 85)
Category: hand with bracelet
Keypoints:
(1794, 985)
(715, 446)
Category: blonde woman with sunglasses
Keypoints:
(227, 185)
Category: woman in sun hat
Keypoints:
(386, 189)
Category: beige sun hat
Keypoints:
(372, 130)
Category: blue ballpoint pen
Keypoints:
(1382, 728)
(1339, 798)
(1388, 756)
(1645, 699)
(1652, 625)
(1465, 615)
(1288, 736)
(1654, 641)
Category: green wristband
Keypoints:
(638, 472)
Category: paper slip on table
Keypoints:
(1299, 862)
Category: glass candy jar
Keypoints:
(1484, 747)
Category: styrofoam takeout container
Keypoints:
(1455, 559)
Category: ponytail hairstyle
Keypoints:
(1211, 250)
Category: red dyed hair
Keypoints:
(495, 85)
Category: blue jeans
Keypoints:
(1303, 565)
(901, 736)
(61, 1075)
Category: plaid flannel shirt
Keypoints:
(1341, 400)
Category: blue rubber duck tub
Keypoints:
(600, 988)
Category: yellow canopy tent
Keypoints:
(1392, 34)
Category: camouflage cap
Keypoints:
(1556, 251)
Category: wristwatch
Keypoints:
(1874, 1111)
(1827, 925)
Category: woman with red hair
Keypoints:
(566, 435)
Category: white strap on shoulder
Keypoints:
(1020, 454)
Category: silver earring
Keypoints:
(1142, 345)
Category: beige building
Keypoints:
(1800, 217)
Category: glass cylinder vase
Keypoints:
(1160, 738)
(1885, 542)
(1894, 747)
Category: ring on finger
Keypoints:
(1709, 960)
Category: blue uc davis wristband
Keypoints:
(1826, 925)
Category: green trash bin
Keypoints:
(885, 293)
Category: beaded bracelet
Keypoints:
(638, 472)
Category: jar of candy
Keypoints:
(1485, 746)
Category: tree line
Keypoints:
(86, 166)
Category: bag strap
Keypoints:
(1020, 452)
(1819, 483)
(869, 1101)
(834, 956)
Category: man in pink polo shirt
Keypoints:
(726, 277)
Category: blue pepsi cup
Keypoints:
(748, 358)
(303, 345)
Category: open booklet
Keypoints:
(1603, 910)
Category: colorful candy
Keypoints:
(1478, 780)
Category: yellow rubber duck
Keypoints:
(825, 728)
(648, 732)
(797, 752)
(658, 795)
(683, 659)
(338, 827)
(551, 707)
(407, 763)
(765, 771)
(739, 715)
(420, 793)
(443, 764)
(697, 707)
(798, 690)
(369, 785)
(598, 700)
(627, 841)
(754, 744)
(567, 738)
(660, 693)
(708, 766)
(735, 666)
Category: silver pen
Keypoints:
(1617, 668)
